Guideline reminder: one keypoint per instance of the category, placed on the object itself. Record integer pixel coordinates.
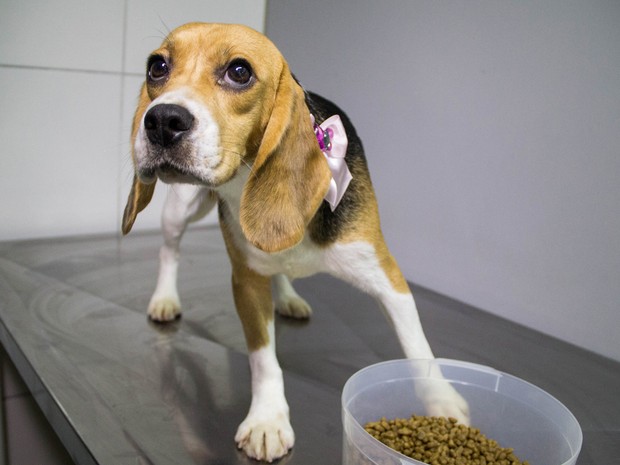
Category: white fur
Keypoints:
(203, 141)
(266, 432)
(358, 264)
(302, 260)
(286, 301)
(184, 203)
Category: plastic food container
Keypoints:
(507, 409)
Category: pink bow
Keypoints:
(333, 141)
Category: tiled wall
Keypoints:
(70, 72)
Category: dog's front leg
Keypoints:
(266, 432)
(184, 203)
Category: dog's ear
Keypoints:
(141, 193)
(139, 197)
(289, 177)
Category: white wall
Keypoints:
(70, 72)
(493, 133)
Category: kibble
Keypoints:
(440, 441)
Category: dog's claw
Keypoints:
(265, 440)
(450, 408)
(164, 309)
(293, 307)
(442, 400)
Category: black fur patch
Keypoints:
(327, 226)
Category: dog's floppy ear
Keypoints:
(139, 197)
(289, 176)
(141, 193)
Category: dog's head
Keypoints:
(218, 98)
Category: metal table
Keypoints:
(118, 389)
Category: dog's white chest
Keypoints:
(302, 260)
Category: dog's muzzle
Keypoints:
(178, 142)
(165, 124)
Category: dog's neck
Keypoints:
(231, 191)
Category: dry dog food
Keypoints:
(440, 441)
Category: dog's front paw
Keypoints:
(265, 439)
(163, 309)
(293, 307)
(442, 400)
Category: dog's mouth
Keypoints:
(170, 171)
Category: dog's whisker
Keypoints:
(167, 35)
(158, 36)
(241, 158)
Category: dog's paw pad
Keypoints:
(265, 440)
(293, 307)
(164, 309)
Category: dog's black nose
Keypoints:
(165, 124)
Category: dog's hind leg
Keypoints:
(286, 300)
(184, 204)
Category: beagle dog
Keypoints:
(222, 117)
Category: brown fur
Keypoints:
(283, 197)
(139, 197)
(264, 123)
(289, 177)
(252, 294)
(273, 133)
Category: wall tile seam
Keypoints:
(69, 70)
(119, 167)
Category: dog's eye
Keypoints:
(238, 74)
(157, 69)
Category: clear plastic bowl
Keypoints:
(507, 409)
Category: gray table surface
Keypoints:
(120, 390)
